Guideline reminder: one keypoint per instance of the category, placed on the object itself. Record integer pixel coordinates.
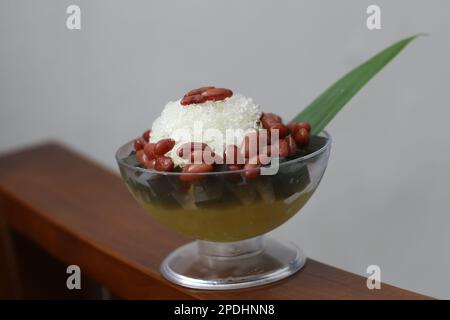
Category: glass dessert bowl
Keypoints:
(227, 213)
(229, 203)
(217, 169)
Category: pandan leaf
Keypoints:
(323, 109)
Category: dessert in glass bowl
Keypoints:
(217, 169)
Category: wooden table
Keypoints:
(58, 208)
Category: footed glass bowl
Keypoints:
(227, 214)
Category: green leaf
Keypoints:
(322, 110)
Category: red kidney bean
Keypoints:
(141, 157)
(283, 148)
(203, 156)
(283, 131)
(187, 148)
(252, 170)
(197, 91)
(150, 164)
(216, 94)
(269, 119)
(164, 163)
(146, 135)
(138, 144)
(293, 149)
(291, 126)
(305, 125)
(302, 137)
(149, 150)
(269, 115)
(295, 126)
(203, 94)
(163, 146)
(198, 98)
(234, 167)
(195, 168)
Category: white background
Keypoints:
(385, 197)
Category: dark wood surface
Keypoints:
(81, 213)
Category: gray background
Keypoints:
(385, 197)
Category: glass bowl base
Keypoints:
(232, 265)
